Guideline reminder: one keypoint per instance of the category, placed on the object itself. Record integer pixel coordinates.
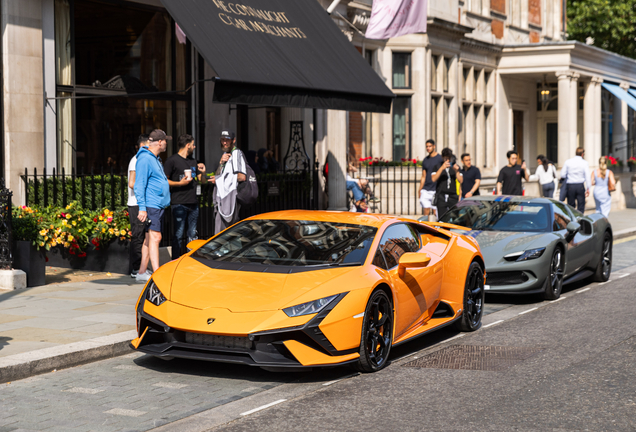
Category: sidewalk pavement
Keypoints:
(80, 317)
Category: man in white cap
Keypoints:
(231, 171)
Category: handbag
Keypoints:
(611, 183)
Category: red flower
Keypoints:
(81, 255)
(95, 220)
(403, 160)
(414, 161)
(47, 259)
(71, 251)
(63, 215)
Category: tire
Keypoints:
(377, 333)
(474, 296)
(604, 267)
(554, 281)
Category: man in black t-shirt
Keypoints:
(181, 170)
(472, 177)
(446, 176)
(426, 191)
(509, 180)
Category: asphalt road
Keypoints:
(565, 365)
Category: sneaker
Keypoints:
(374, 199)
(134, 273)
(143, 277)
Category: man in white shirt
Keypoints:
(136, 227)
(576, 173)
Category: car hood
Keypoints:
(198, 286)
(495, 245)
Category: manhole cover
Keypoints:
(475, 357)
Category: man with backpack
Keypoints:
(235, 183)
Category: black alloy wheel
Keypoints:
(554, 281)
(604, 268)
(474, 295)
(377, 333)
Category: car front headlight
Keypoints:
(153, 295)
(309, 308)
(530, 254)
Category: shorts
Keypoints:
(155, 216)
(426, 199)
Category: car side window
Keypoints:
(561, 216)
(396, 241)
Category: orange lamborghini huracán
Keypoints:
(308, 288)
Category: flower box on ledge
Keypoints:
(112, 258)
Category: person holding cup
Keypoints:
(184, 174)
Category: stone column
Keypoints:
(592, 114)
(620, 126)
(564, 116)
(574, 114)
(337, 158)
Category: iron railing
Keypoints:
(6, 255)
(96, 191)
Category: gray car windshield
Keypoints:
(500, 216)
(291, 243)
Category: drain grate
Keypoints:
(475, 357)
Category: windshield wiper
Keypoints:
(350, 264)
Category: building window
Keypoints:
(401, 70)
(129, 49)
(401, 127)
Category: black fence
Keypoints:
(110, 190)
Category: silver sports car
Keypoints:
(535, 245)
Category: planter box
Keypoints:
(113, 259)
(31, 261)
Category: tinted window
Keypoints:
(500, 216)
(396, 241)
(561, 216)
(291, 243)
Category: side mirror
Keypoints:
(573, 227)
(412, 260)
(196, 244)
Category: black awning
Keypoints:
(280, 53)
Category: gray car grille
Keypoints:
(506, 278)
(234, 342)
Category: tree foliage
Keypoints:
(611, 23)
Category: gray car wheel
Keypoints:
(604, 268)
(554, 281)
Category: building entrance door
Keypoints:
(552, 141)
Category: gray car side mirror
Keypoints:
(573, 227)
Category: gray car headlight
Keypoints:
(153, 295)
(309, 308)
(531, 254)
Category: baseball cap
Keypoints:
(158, 135)
(228, 133)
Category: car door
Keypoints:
(411, 289)
(574, 255)
(583, 248)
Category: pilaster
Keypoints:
(564, 117)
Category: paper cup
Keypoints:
(187, 174)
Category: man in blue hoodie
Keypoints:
(153, 196)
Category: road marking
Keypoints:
(125, 412)
(624, 240)
(622, 276)
(405, 356)
(263, 407)
(345, 377)
(126, 367)
(583, 290)
(456, 337)
(83, 390)
(170, 385)
(492, 324)
(604, 283)
(559, 299)
(529, 310)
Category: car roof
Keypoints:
(368, 219)
(510, 198)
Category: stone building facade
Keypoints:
(487, 77)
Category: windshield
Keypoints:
(500, 216)
(291, 243)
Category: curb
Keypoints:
(25, 365)
(624, 233)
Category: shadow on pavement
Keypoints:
(4, 340)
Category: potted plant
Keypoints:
(632, 163)
(614, 164)
(29, 236)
